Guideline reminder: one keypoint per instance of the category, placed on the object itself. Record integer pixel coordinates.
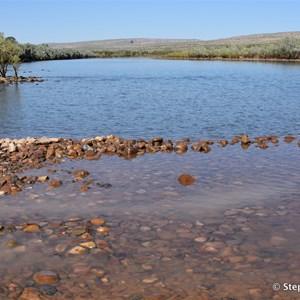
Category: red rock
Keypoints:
(37, 154)
(42, 178)
(84, 188)
(103, 229)
(30, 293)
(45, 277)
(32, 228)
(54, 184)
(234, 141)
(289, 139)
(111, 148)
(98, 221)
(72, 153)
(245, 139)
(263, 145)
(223, 143)
(50, 153)
(81, 173)
(186, 179)
(89, 153)
(181, 147)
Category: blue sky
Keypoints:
(39, 21)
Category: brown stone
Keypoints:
(235, 141)
(103, 229)
(181, 147)
(263, 145)
(223, 143)
(42, 178)
(30, 293)
(54, 184)
(245, 139)
(202, 146)
(84, 188)
(38, 154)
(81, 173)
(72, 153)
(111, 148)
(98, 221)
(45, 277)
(289, 139)
(32, 228)
(77, 250)
(89, 153)
(186, 179)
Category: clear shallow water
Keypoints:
(147, 98)
(245, 203)
(148, 183)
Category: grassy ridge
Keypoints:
(286, 49)
(284, 45)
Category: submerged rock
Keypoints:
(186, 179)
(45, 277)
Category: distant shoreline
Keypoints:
(232, 59)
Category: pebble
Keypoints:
(200, 239)
(186, 179)
(98, 272)
(32, 228)
(42, 178)
(30, 293)
(145, 228)
(89, 245)
(81, 268)
(54, 184)
(146, 267)
(45, 277)
(98, 221)
(103, 229)
(150, 280)
(60, 248)
(77, 250)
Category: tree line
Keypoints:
(12, 54)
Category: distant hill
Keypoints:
(173, 44)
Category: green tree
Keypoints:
(9, 55)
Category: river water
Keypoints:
(145, 98)
(230, 235)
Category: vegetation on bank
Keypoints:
(30, 52)
(288, 48)
(9, 55)
(12, 54)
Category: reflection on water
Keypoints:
(239, 220)
(10, 109)
(144, 98)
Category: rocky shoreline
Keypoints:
(11, 79)
(17, 155)
(150, 255)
